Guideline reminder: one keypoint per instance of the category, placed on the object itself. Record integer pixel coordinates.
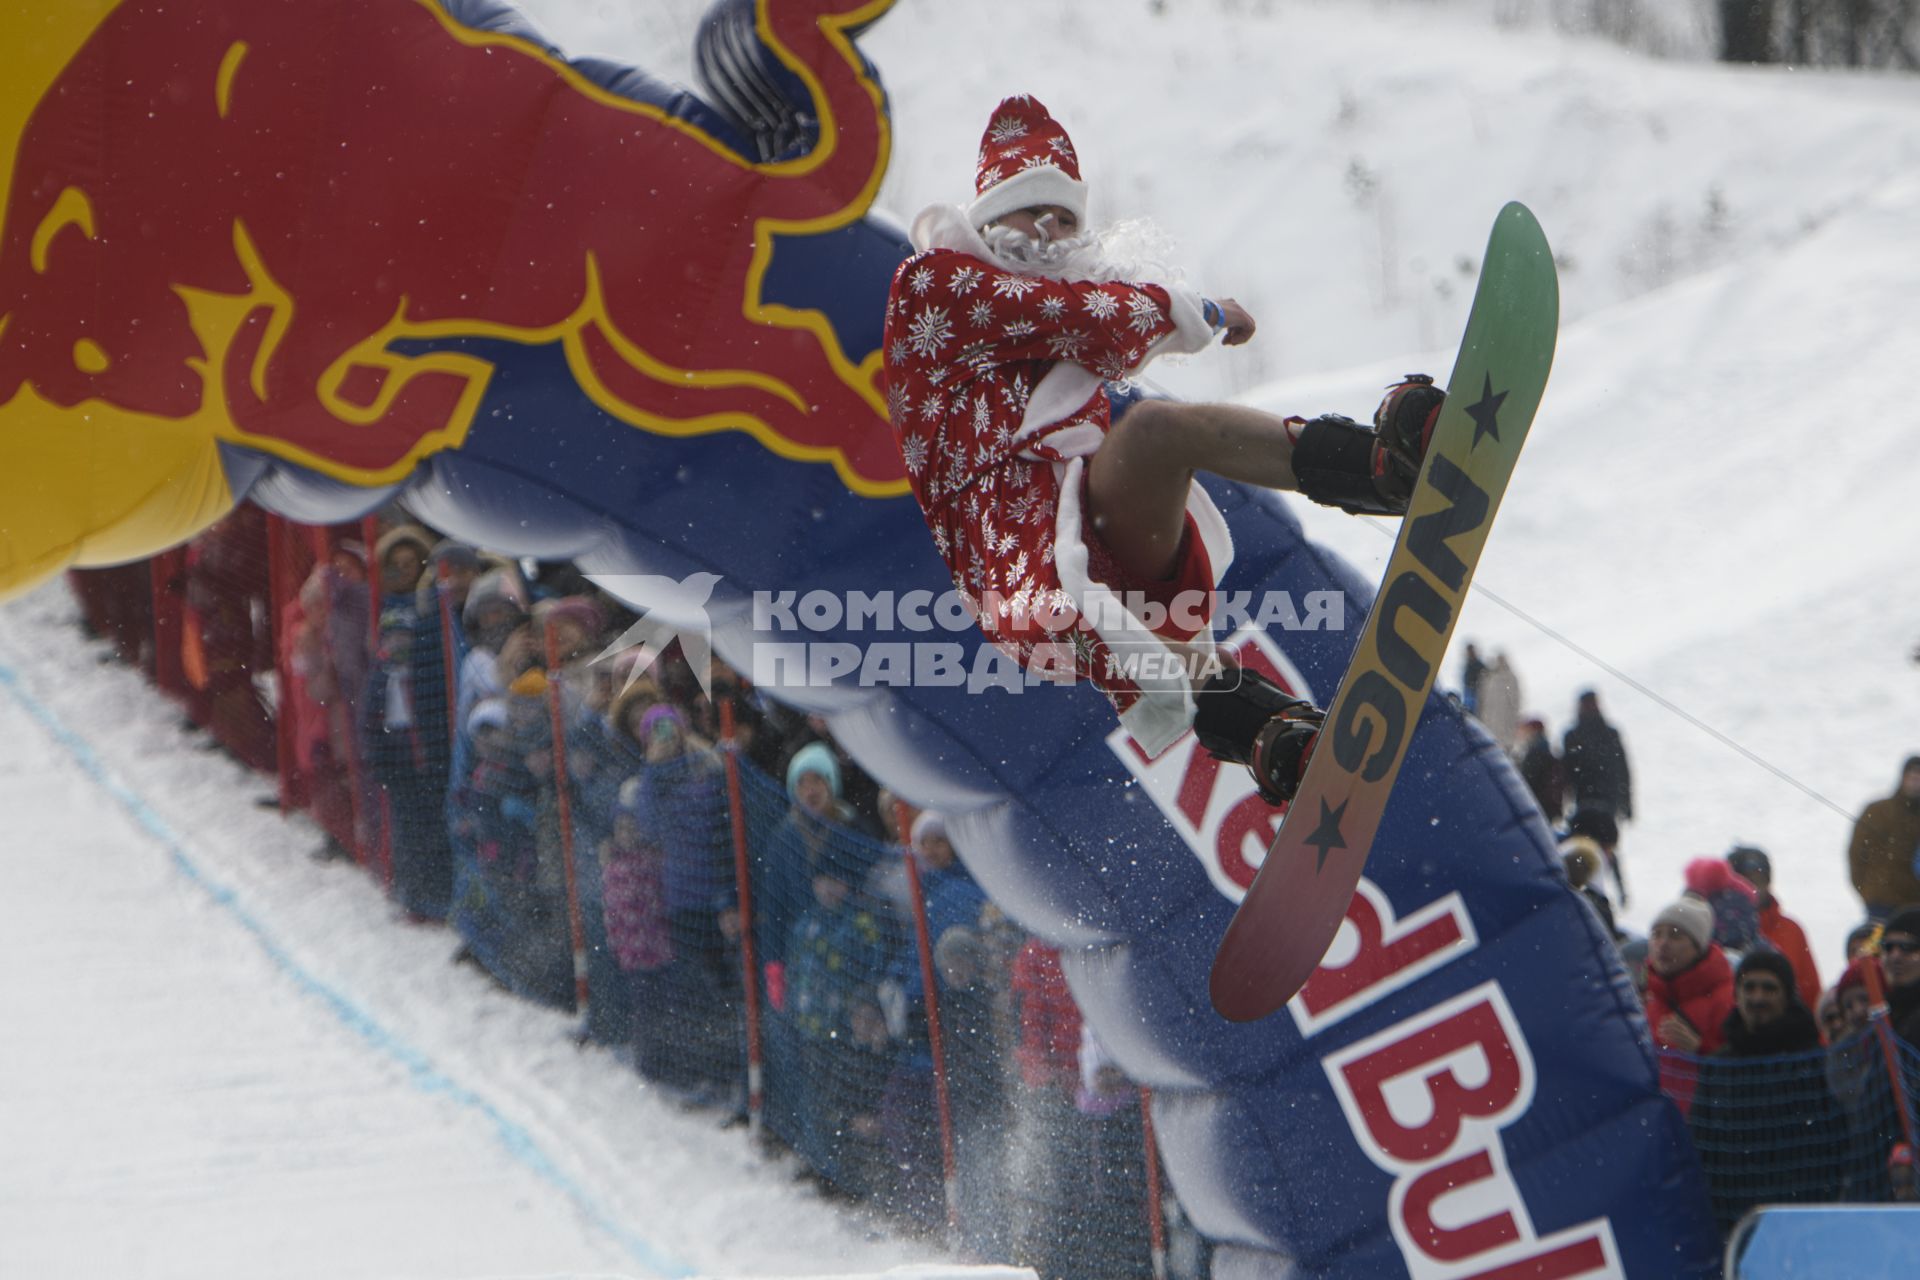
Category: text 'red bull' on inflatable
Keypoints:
(323, 255)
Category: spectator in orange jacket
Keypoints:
(1782, 934)
(1689, 982)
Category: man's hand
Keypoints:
(1236, 324)
(1679, 1033)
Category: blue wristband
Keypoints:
(1216, 318)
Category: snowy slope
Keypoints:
(1718, 498)
(1719, 492)
(223, 1060)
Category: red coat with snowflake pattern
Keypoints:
(968, 344)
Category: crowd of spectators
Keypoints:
(455, 717)
(460, 721)
(1794, 1091)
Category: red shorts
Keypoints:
(1192, 577)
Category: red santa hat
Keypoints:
(1026, 159)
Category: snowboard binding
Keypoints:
(1242, 716)
(1369, 471)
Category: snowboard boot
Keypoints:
(1242, 716)
(1369, 471)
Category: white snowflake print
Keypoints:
(1007, 128)
(989, 176)
(1145, 317)
(1041, 161)
(983, 456)
(1113, 366)
(897, 403)
(913, 451)
(1017, 393)
(982, 414)
(1007, 543)
(977, 356)
(930, 332)
(1062, 148)
(1067, 346)
(942, 540)
(937, 375)
(897, 352)
(1053, 307)
(1002, 435)
(921, 280)
(1015, 286)
(1015, 330)
(1017, 572)
(981, 314)
(965, 279)
(933, 406)
(1101, 305)
(987, 536)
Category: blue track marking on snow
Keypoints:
(420, 1069)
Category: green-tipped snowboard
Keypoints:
(1300, 895)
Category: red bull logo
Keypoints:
(261, 215)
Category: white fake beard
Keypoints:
(1132, 250)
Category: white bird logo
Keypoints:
(669, 610)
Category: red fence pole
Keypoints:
(1156, 1219)
(164, 569)
(576, 922)
(383, 833)
(279, 591)
(1883, 1031)
(749, 961)
(448, 656)
(949, 1173)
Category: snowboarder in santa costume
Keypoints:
(1079, 538)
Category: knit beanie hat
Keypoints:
(455, 555)
(1691, 916)
(1026, 159)
(926, 826)
(1748, 861)
(531, 683)
(403, 535)
(815, 757)
(1734, 902)
(1906, 920)
(495, 586)
(582, 611)
(1856, 973)
(652, 717)
(1762, 961)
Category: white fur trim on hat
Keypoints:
(1042, 184)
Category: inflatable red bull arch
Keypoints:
(325, 255)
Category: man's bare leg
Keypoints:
(1137, 483)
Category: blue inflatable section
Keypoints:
(1465, 1089)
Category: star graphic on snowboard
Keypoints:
(1485, 414)
(1326, 837)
